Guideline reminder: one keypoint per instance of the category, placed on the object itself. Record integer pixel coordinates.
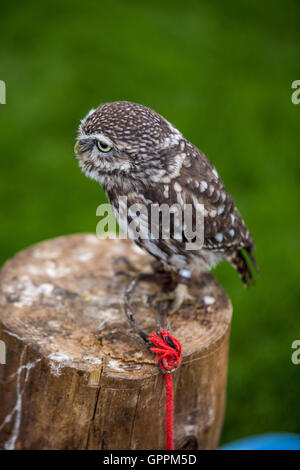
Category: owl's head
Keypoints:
(123, 139)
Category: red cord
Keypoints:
(168, 354)
(169, 412)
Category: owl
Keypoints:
(139, 156)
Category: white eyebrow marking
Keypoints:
(101, 137)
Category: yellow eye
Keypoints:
(103, 147)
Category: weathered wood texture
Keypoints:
(74, 379)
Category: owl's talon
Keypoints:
(193, 302)
(179, 296)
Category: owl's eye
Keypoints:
(103, 147)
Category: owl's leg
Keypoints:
(180, 295)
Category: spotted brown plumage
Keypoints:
(132, 151)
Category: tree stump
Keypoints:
(75, 379)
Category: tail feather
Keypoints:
(253, 260)
(241, 264)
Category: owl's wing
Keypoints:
(224, 229)
(195, 181)
(199, 182)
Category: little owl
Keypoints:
(132, 151)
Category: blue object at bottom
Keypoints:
(272, 441)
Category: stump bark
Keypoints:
(74, 379)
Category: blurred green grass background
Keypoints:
(222, 73)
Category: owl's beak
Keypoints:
(76, 147)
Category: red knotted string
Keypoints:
(168, 354)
